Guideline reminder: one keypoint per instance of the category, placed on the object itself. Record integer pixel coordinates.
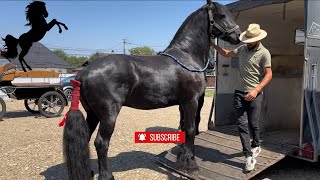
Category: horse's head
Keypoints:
(222, 24)
(36, 8)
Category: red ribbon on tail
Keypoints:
(75, 99)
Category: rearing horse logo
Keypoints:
(36, 13)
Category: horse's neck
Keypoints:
(37, 21)
(192, 37)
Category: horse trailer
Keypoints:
(290, 116)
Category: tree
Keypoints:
(75, 61)
(63, 55)
(94, 56)
(144, 50)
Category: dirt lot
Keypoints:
(31, 147)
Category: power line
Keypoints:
(92, 50)
(143, 45)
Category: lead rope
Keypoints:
(184, 66)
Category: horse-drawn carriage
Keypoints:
(39, 97)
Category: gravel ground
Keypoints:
(31, 147)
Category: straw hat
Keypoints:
(253, 34)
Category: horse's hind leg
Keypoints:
(24, 52)
(185, 159)
(92, 121)
(107, 124)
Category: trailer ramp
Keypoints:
(218, 153)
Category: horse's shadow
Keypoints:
(122, 162)
(161, 129)
(18, 114)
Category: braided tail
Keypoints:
(76, 139)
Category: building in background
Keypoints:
(41, 58)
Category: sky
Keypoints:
(101, 26)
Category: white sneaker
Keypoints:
(255, 151)
(250, 162)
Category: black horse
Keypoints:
(36, 13)
(145, 82)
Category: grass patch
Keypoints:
(209, 93)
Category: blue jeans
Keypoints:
(248, 114)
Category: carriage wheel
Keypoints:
(2, 108)
(51, 104)
(32, 105)
(68, 94)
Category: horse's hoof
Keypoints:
(186, 162)
(105, 177)
(194, 173)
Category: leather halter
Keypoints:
(213, 24)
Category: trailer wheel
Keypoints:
(2, 108)
(32, 105)
(51, 104)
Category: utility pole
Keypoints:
(124, 45)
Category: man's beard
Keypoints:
(252, 47)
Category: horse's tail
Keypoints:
(76, 139)
(11, 44)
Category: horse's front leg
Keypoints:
(181, 118)
(65, 27)
(186, 160)
(198, 114)
(55, 22)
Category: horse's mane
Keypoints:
(194, 27)
(193, 35)
(32, 9)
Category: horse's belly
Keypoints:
(151, 98)
(147, 105)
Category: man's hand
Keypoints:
(251, 95)
(223, 52)
(214, 45)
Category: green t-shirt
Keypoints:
(251, 66)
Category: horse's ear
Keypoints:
(209, 2)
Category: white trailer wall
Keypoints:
(283, 96)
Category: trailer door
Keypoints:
(310, 131)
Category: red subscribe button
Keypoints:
(160, 137)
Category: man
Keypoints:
(253, 75)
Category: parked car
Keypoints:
(67, 87)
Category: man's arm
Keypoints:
(223, 52)
(267, 78)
